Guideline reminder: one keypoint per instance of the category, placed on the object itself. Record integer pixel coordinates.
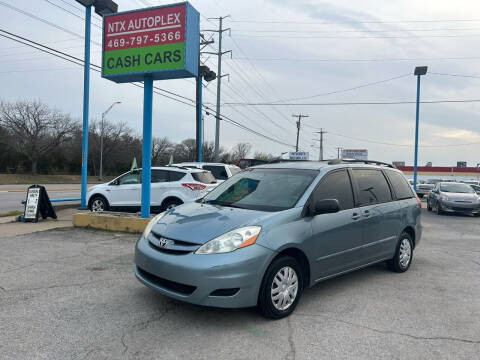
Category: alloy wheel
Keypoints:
(98, 205)
(284, 288)
(405, 253)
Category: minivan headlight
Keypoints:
(231, 241)
(148, 228)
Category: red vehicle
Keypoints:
(245, 163)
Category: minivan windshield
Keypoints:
(456, 188)
(262, 189)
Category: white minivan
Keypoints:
(170, 187)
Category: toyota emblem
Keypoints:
(163, 242)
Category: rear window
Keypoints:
(234, 169)
(204, 177)
(218, 172)
(372, 187)
(400, 185)
(176, 175)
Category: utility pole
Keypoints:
(219, 78)
(101, 137)
(320, 154)
(299, 116)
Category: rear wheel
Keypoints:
(420, 195)
(281, 288)
(98, 203)
(403, 254)
(171, 203)
(429, 208)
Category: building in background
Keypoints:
(398, 163)
(357, 154)
(461, 164)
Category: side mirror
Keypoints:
(326, 206)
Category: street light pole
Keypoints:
(419, 71)
(101, 137)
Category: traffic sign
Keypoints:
(162, 42)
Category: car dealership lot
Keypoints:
(71, 294)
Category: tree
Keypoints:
(36, 130)
(162, 148)
(262, 156)
(240, 151)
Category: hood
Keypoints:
(199, 223)
(461, 196)
(97, 186)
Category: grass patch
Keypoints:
(29, 179)
(11, 213)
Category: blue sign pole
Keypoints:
(416, 135)
(147, 145)
(86, 94)
(199, 118)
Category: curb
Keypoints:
(111, 221)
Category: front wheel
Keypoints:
(439, 209)
(98, 203)
(403, 254)
(429, 208)
(281, 288)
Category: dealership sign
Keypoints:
(358, 154)
(298, 155)
(162, 42)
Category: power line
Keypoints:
(350, 22)
(342, 90)
(355, 37)
(456, 75)
(309, 31)
(70, 12)
(45, 21)
(360, 60)
(356, 103)
(402, 145)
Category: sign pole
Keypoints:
(199, 118)
(416, 135)
(86, 94)
(147, 145)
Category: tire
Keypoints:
(420, 195)
(272, 287)
(429, 208)
(399, 263)
(171, 203)
(98, 203)
(439, 209)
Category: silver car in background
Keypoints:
(453, 197)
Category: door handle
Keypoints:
(366, 213)
(355, 216)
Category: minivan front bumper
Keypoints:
(230, 280)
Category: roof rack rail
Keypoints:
(374, 162)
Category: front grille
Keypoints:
(171, 246)
(183, 289)
(461, 209)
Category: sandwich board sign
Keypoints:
(37, 203)
(156, 43)
(162, 42)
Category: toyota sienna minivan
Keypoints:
(265, 234)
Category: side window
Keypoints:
(336, 185)
(133, 177)
(400, 185)
(159, 176)
(372, 186)
(218, 172)
(243, 163)
(176, 175)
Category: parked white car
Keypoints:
(170, 187)
(220, 171)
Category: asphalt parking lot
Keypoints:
(71, 294)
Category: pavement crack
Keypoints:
(64, 285)
(391, 332)
(125, 347)
(292, 352)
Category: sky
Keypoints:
(288, 57)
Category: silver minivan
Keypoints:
(263, 235)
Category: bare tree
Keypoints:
(240, 151)
(162, 148)
(35, 129)
(262, 156)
